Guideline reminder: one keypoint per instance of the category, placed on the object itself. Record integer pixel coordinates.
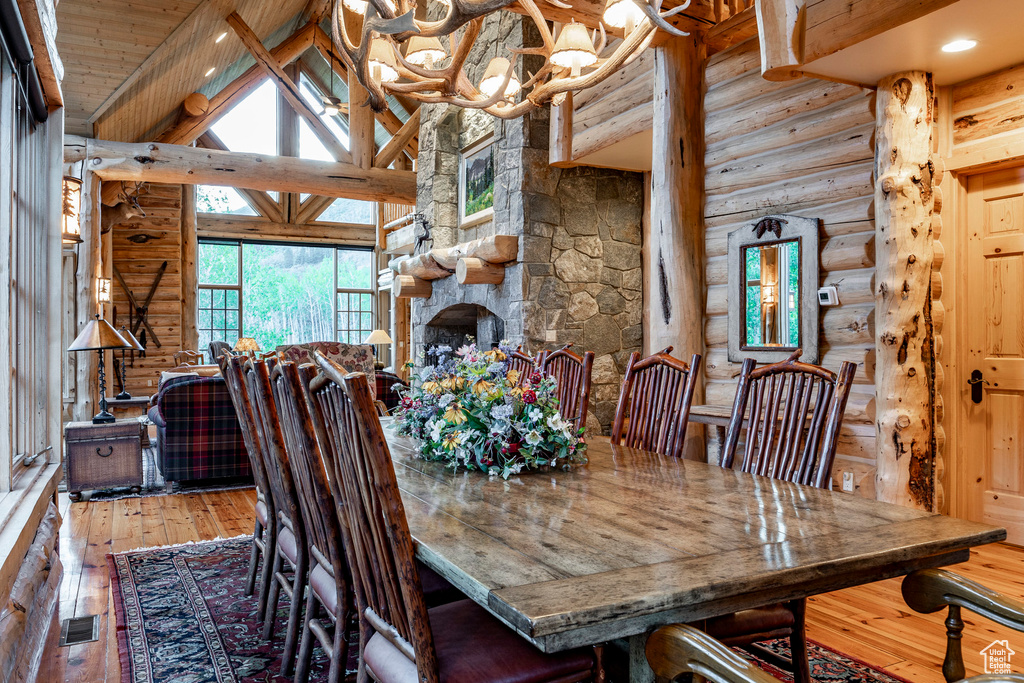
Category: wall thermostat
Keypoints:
(828, 296)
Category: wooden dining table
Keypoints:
(633, 540)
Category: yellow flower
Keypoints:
(451, 441)
(495, 355)
(482, 386)
(513, 377)
(431, 387)
(514, 391)
(453, 382)
(454, 414)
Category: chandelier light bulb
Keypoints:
(494, 76)
(574, 50)
(359, 6)
(624, 14)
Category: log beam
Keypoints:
(261, 201)
(474, 271)
(904, 253)
(265, 60)
(178, 164)
(411, 287)
(399, 141)
(780, 25)
(674, 237)
(245, 227)
(493, 249)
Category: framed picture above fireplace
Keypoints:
(476, 182)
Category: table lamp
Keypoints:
(247, 345)
(98, 336)
(378, 337)
(134, 343)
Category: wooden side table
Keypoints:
(136, 406)
(103, 456)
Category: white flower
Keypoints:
(502, 412)
(533, 437)
(496, 368)
(445, 400)
(536, 414)
(555, 422)
(435, 430)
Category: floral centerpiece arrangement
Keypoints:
(469, 409)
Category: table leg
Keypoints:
(639, 670)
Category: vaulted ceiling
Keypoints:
(130, 63)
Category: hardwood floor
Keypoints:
(870, 623)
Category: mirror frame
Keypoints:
(805, 232)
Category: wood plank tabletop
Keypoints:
(633, 540)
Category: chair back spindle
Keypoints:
(656, 395)
(523, 363)
(572, 374)
(794, 412)
(378, 544)
(231, 368)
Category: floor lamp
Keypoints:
(99, 336)
(377, 338)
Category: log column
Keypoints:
(904, 202)
(189, 270)
(674, 232)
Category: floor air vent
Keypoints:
(80, 630)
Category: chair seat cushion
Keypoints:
(750, 625)
(288, 546)
(474, 647)
(436, 591)
(261, 513)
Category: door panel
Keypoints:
(993, 447)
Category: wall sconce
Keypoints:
(71, 206)
(103, 290)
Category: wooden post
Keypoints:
(781, 25)
(189, 272)
(674, 236)
(411, 287)
(560, 145)
(474, 271)
(904, 252)
(85, 295)
(360, 124)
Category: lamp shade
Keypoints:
(130, 338)
(494, 76)
(382, 62)
(246, 345)
(425, 51)
(98, 334)
(378, 337)
(574, 49)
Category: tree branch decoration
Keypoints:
(575, 59)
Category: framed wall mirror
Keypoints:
(773, 285)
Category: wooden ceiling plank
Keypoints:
(732, 31)
(260, 200)
(202, 10)
(289, 90)
(399, 141)
(187, 131)
(179, 164)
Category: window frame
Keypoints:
(335, 248)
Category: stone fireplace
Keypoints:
(578, 274)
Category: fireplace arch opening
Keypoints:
(456, 324)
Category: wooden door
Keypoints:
(993, 448)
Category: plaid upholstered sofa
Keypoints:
(198, 436)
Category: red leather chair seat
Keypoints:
(474, 647)
(751, 625)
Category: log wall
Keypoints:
(139, 247)
(802, 147)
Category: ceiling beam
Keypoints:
(287, 86)
(182, 165)
(398, 142)
(244, 227)
(260, 200)
(204, 10)
(732, 31)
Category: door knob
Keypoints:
(976, 381)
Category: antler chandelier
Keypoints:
(399, 54)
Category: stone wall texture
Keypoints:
(578, 278)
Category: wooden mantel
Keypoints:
(180, 164)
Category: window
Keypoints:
(216, 199)
(285, 293)
(251, 125)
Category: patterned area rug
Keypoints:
(182, 616)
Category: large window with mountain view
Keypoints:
(282, 293)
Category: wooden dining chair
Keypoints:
(292, 544)
(679, 649)
(523, 363)
(188, 358)
(656, 395)
(792, 413)
(401, 640)
(930, 590)
(328, 599)
(572, 374)
(264, 538)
